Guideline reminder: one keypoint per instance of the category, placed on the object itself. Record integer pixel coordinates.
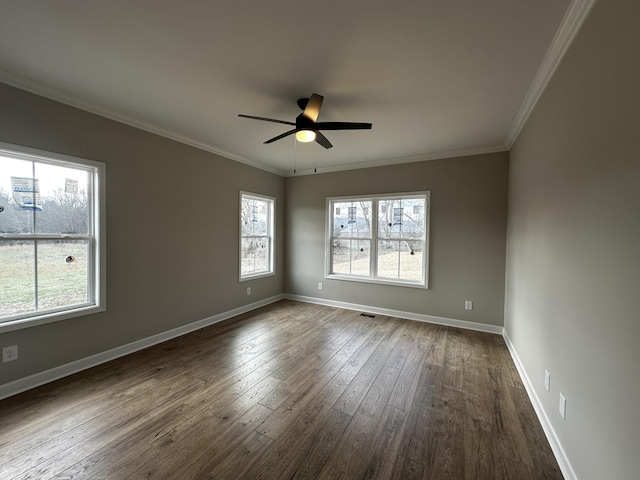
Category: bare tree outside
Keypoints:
(41, 268)
(399, 236)
(256, 217)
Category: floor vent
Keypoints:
(368, 315)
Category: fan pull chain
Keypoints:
(315, 160)
(295, 153)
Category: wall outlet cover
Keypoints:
(9, 353)
(563, 407)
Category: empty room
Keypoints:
(342, 240)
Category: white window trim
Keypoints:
(272, 237)
(374, 238)
(98, 270)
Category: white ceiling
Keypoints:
(435, 77)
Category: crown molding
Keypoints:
(571, 23)
(401, 160)
(42, 90)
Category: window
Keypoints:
(380, 239)
(256, 235)
(51, 237)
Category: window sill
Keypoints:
(33, 321)
(246, 278)
(378, 281)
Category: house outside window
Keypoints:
(257, 242)
(52, 248)
(379, 239)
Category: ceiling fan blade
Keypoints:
(266, 119)
(342, 126)
(312, 110)
(322, 140)
(285, 134)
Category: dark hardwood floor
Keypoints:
(288, 391)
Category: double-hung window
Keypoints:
(51, 237)
(379, 238)
(256, 235)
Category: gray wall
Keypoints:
(573, 262)
(170, 261)
(160, 278)
(467, 242)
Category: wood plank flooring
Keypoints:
(289, 391)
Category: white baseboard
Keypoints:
(558, 451)
(449, 322)
(32, 381)
(556, 446)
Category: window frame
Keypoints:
(375, 238)
(271, 234)
(96, 264)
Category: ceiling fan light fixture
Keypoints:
(305, 136)
(306, 128)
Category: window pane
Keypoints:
(413, 224)
(256, 235)
(352, 219)
(254, 255)
(17, 281)
(62, 273)
(390, 213)
(65, 201)
(18, 202)
(401, 260)
(401, 218)
(351, 256)
(255, 216)
(42, 198)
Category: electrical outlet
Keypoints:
(248, 290)
(468, 305)
(563, 407)
(319, 285)
(547, 380)
(9, 353)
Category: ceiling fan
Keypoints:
(306, 127)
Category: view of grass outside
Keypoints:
(254, 255)
(400, 265)
(351, 257)
(383, 234)
(45, 219)
(392, 265)
(62, 275)
(256, 231)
